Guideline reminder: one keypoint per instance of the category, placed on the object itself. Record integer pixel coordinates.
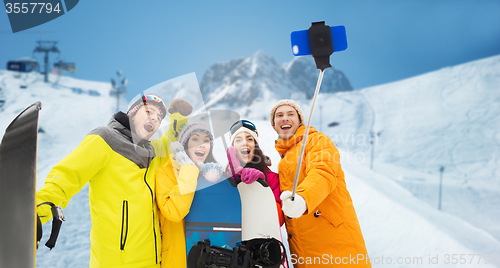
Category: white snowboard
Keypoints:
(259, 216)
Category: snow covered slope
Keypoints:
(70, 109)
(449, 118)
(399, 226)
(445, 118)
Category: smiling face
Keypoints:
(244, 144)
(198, 146)
(146, 121)
(286, 121)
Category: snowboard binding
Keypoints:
(258, 252)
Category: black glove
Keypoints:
(39, 230)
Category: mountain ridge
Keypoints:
(245, 81)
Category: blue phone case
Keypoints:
(300, 41)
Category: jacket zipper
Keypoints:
(153, 201)
(124, 231)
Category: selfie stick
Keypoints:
(321, 45)
(306, 133)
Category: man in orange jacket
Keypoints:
(322, 225)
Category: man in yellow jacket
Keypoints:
(119, 163)
(322, 226)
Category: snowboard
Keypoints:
(259, 215)
(17, 190)
(215, 214)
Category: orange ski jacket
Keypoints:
(328, 232)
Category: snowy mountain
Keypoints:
(242, 83)
(304, 75)
(448, 118)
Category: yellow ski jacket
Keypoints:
(175, 187)
(121, 175)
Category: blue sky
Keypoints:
(153, 41)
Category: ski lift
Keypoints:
(46, 47)
(62, 66)
(23, 65)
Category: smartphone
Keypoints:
(300, 41)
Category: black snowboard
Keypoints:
(17, 190)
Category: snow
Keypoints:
(449, 118)
(428, 231)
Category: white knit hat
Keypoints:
(244, 125)
(247, 130)
(288, 102)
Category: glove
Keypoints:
(234, 162)
(210, 171)
(39, 230)
(180, 106)
(179, 154)
(295, 208)
(250, 175)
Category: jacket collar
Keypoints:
(121, 122)
(282, 146)
(123, 119)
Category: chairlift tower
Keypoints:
(441, 170)
(46, 47)
(118, 89)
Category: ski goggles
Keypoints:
(243, 123)
(154, 98)
(148, 99)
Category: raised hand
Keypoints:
(234, 162)
(180, 106)
(180, 154)
(211, 171)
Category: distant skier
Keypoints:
(193, 167)
(322, 225)
(119, 163)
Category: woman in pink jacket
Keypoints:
(245, 143)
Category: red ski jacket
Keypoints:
(274, 183)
